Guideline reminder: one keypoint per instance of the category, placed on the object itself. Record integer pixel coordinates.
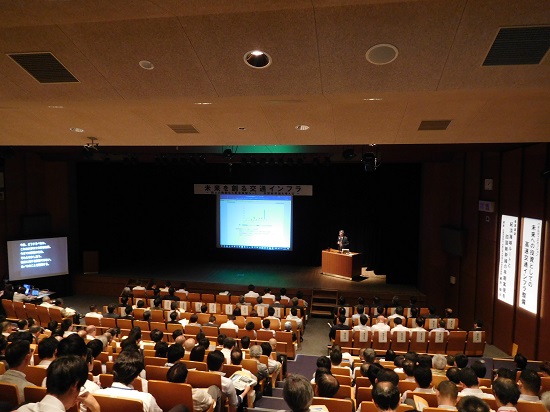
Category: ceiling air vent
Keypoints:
(183, 128)
(434, 124)
(44, 67)
(519, 45)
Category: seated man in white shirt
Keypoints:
(229, 324)
(381, 324)
(398, 314)
(266, 323)
(363, 319)
(441, 328)
(470, 383)
(419, 322)
(293, 315)
(447, 393)
(359, 310)
(47, 349)
(529, 386)
(202, 398)
(399, 327)
(423, 378)
(215, 361)
(268, 294)
(93, 312)
(251, 293)
(126, 368)
(506, 394)
(66, 376)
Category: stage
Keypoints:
(213, 277)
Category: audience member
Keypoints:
(529, 386)
(297, 393)
(65, 377)
(126, 368)
(472, 404)
(202, 399)
(506, 394)
(18, 356)
(447, 393)
(385, 396)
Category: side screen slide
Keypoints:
(36, 258)
(254, 222)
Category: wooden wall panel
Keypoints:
(543, 349)
(532, 205)
(433, 275)
(487, 246)
(468, 272)
(510, 186)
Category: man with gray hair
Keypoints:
(438, 364)
(255, 353)
(297, 393)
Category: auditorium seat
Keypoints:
(208, 298)
(229, 332)
(335, 405)
(19, 308)
(400, 341)
(457, 341)
(200, 379)
(343, 338)
(156, 372)
(223, 299)
(35, 374)
(211, 331)
(362, 339)
(419, 342)
(437, 342)
(34, 394)
(363, 394)
(116, 404)
(168, 394)
(431, 398)
(200, 366)
(9, 394)
(32, 312)
(475, 343)
(451, 323)
(381, 341)
(10, 312)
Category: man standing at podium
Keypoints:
(343, 242)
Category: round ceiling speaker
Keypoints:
(382, 54)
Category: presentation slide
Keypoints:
(255, 222)
(37, 258)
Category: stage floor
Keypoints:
(265, 274)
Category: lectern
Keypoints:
(342, 264)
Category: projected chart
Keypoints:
(255, 222)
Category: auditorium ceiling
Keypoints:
(460, 72)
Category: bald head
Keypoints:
(180, 340)
(273, 343)
(189, 344)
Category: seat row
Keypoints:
(209, 297)
(429, 323)
(41, 314)
(471, 343)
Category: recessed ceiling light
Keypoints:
(380, 54)
(257, 59)
(146, 64)
(202, 103)
(373, 99)
(302, 127)
(242, 128)
(55, 107)
(77, 130)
